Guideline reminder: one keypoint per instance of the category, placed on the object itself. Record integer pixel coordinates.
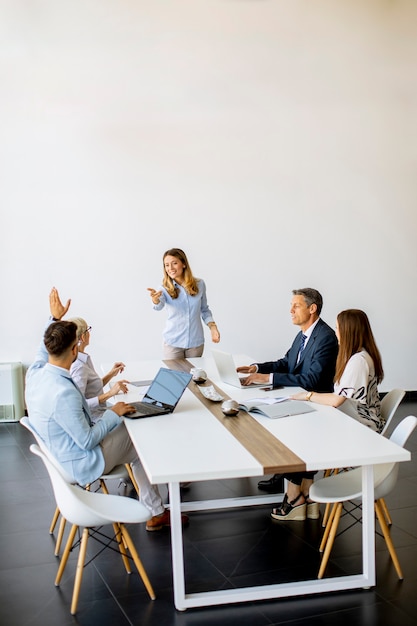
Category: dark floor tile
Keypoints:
(27, 492)
(28, 597)
(405, 519)
(286, 611)
(19, 470)
(379, 614)
(11, 454)
(161, 613)
(6, 437)
(31, 517)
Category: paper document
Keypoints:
(258, 401)
(274, 410)
(140, 383)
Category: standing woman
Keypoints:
(85, 376)
(185, 299)
(358, 372)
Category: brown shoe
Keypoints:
(157, 522)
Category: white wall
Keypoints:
(274, 141)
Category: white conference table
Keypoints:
(193, 444)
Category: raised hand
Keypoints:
(56, 307)
(116, 369)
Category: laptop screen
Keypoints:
(167, 388)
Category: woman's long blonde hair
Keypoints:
(189, 284)
(355, 334)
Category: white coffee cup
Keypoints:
(230, 407)
(198, 374)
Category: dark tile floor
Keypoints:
(222, 549)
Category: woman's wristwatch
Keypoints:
(308, 395)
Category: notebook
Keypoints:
(279, 409)
(163, 394)
(227, 370)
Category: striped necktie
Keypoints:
(302, 344)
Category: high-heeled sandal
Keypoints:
(313, 509)
(291, 510)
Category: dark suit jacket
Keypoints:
(316, 368)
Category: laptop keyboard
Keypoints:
(146, 409)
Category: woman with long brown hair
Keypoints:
(358, 371)
(185, 298)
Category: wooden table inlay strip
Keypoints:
(271, 453)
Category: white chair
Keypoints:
(89, 510)
(347, 485)
(119, 472)
(389, 404)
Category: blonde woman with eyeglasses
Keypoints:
(85, 376)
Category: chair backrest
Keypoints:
(72, 500)
(399, 436)
(25, 422)
(87, 508)
(389, 404)
(404, 429)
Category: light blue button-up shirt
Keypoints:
(60, 415)
(183, 327)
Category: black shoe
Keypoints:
(275, 484)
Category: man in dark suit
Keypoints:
(309, 363)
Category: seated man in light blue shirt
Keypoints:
(61, 417)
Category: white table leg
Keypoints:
(177, 548)
(183, 601)
(368, 525)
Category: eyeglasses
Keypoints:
(87, 330)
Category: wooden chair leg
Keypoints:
(54, 521)
(328, 527)
(386, 512)
(127, 539)
(122, 547)
(132, 477)
(326, 514)
(65, 556)
(330, 541)
(328, 472)
(385, 531)
(116, 526)
(60, 535)
(79, 571)
(103, 486)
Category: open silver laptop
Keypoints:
(227, 370)
(163, 395)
